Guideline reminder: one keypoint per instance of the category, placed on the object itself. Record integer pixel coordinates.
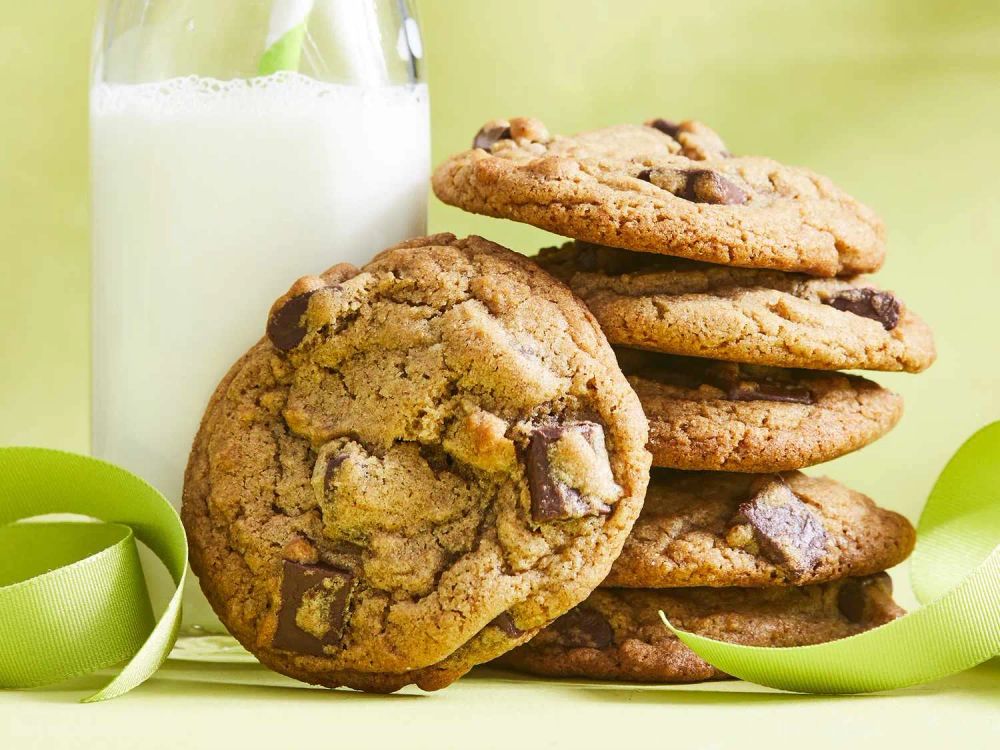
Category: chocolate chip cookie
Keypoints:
(423, 463)
(617, 634)
(725, 529)
(724, 416)
(743, 315)
(664, 187)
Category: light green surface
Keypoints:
(897, 101)
(245, 707)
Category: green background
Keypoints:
(897, 100)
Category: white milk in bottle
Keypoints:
(210, 198)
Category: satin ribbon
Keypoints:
(72, 595)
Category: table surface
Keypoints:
(193, 705)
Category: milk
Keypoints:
(210, 198)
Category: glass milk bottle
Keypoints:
(235, 146)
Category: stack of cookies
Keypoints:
(438, 460)
(732, 289)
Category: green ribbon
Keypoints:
(956, 576)
(72, 595)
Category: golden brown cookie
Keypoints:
(743, 315)
(721, 529)
(617, 634)
(664, 188)
(724, 416)
(424, 462)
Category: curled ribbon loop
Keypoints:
(72, 595)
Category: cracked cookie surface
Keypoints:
(664, 187)
(742, 315)
(725, 529)
(424, 462)
(617, 634)
(723, 416)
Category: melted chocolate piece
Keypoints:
(286, 328)
(313, 612)
(669, 127)
(505, 622)
(868, 303)
(584, 627)
(854, 598)
(552, 500)
(486, 137)
(696, 185)
(786, 530)
(705, 186)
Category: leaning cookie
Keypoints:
(743, 315)
(617, 634)
(724, 416)
(423, 463)
(721, 529)
(664, 188)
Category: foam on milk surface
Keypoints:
(210, 199)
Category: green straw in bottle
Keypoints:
(285, 34)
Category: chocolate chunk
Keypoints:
(314, 601)
(768, 391)
(696, 185)
(584, 627)
(552, 499)
(332, 464)
(868, 303)
(855, 596)
(705, 186)
(286, 328)
(487, 136)
(505, 622)
(785, 529)
(665, 126)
